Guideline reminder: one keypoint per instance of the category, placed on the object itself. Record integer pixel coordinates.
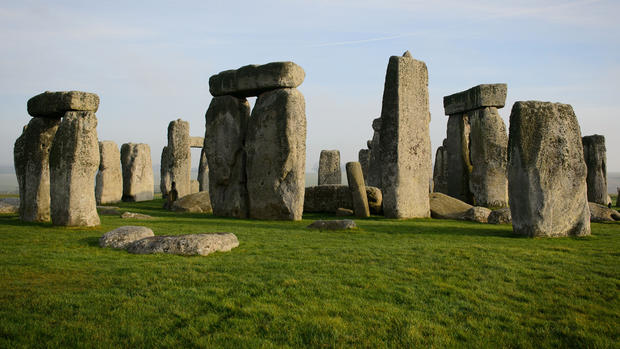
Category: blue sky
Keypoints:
(150, 61)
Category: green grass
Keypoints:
(413, 283)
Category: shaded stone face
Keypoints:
(165, 169)
(203, 172)
(477, 97)
(405, 140)
(595, 156)
(226, 127)
(440, 170)
(109, 181)
(328, 198)
(375, 159)
(55, 104)
(459, 165)
(74, 161)
(546, 171)
(137, 172)
(364, 158)
(358, 189)
(252, 80)
(31, 159)
(276, 155)
(180, 156)
(329, 167)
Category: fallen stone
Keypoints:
(329, 167)
(477, 214)
(600, 213)
(109, 180)
(375, 200)
(195, 203)
(56, 104)
(341, 224)
(446, 207)
(343, 212)
(328, 198)
(9, 205)
(595, 156)
(109, 210)
(481, 96)
(357, 188)
(186, 245)
(137, 172)
(123, 236)
(196, 142)
(500, 216)
(133, 215)
(252, 80)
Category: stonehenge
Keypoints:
(329, 167)
(595, 156)
(137, 172)
(546, 171)
(476, 146)
(109, 180)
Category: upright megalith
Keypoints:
(226, 127)
(165, 171)
(405, 140)
(595, 156)
(276, 155)
(31, 159)
(375, 164)
(203, 171)
(109, 181)
(363, 156)
(546, 171)
(137, 172)
(476, 145)
(329, 167)
(180, 155)
(440, 170)
(357, 188)
(74, 161)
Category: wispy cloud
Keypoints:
(363, 41)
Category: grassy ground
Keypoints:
(414, 283)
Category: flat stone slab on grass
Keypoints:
(9, 205)
(252, 80)
(133, 215)
(447, 207)
(195, 203)
(186, 245)
(340, 224)
(55, 104)
(123, 236)
(477, 214)
(109, 210)
(600, 213)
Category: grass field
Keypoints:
(413, 283)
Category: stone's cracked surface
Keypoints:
(109, 180)
(252, 80)
(124, 236)
(137, 172)
(186, 245)
(55, 104)
(595, 156)
(329, 167)
(481, 96)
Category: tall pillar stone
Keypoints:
(459, 163)
(329, 167)
(595, 156)
(375, 160)
(276, 155)
(226, 127)
(203, 171)
(109, 180)
(440, 170)
(363, 156)
(165, 170)
(405, 140)
(31, 159)
(357, 188)
(546, 171)
(137, 172)
(180, 162)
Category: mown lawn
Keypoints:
(413, 283)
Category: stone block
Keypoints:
(137, 172)
(55, 104)
(109, 180)
(481, 96)
(252, 80)
(329, 167)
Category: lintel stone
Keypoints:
(55, 104)
(485, 95)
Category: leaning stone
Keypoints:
(137, 172)
(133, 215)
(343, 212)
(226, 126)
(546, 171)
(342, 224)
(74, 161)
(595, 156)
(55, 104)
(458, 159)
(195, 203)
(252, 80)
(363, 156)
(329, 167)
(276, 155)
(180, 155)
(446, 207)
(9, 205)
(203, 172)
(477, 214)
(108, 210)
(481, 96)
(109, 180)
(600, 213)
(186, 245)
(196, 142)
(124, 236)
(500, 216)
(31, 160)
(358, 189)
(405, 140)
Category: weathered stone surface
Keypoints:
(134, 215)
(226, 126)
(600, 213)
(180, 155)
(187, 245)
(488, 144)
(481, 96)
(358, 189)
(405, 139)
(55, 104)
(276, 155)
(137, 172)
(446, 207)
(363, 156)
(329, 167)
(546, 171)
(109, 180)
(108, 211)
(31, 160)
(375, 200)
(343, 212)
(74, 160)
(252, 80)
(328, 198)
(203, 172)
(195, 203)
(9, 205)
(122, 237)
(440, 170)
(459, 165)
(500, 216)
(477, 214)
(194, 186)
(375, 159)
(196, 142)
(595, 156)
(340, 224)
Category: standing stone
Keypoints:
(203, 172)
(165, 169)
(137, 172)
(405, 139)
(181, 162)
(226, 126)
(357, 189)
(459, 165)
(488, 153)
(364, 158)
(595, 156)
(194, 186)
(546, 171)
(74, 160)
(276, 155)
(375, 162)
(109, 186)
(329, 167)
(31, 159)
(440, 170)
